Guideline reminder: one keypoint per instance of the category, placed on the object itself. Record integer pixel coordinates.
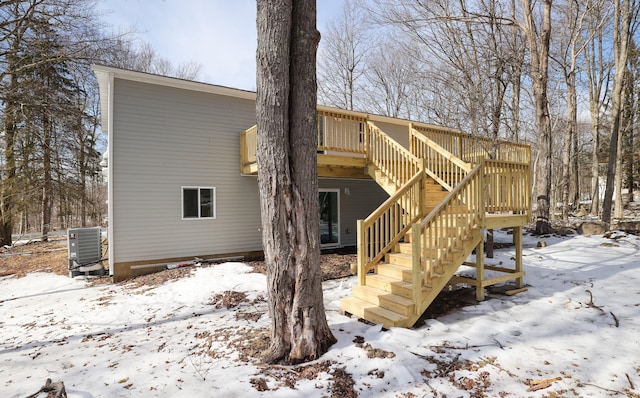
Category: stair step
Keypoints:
(386, 300)
(372, 313)
(435, 187)
(400, 259)
(397, 271)
(389, 284)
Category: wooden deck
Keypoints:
(444, 191)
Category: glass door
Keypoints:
(329, 217)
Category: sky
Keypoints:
(218, 34)
(574, 332)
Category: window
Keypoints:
(198, 202)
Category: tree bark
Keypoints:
(287, 178)
(621, 37)
(539, 54)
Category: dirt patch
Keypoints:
(333, 265)
(19, 260)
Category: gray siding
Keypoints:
(398, 132)
(165, 138)
(364, 197)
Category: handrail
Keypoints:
(394, 160)
(382, 229)
(452, 221)
(471, 149)
(441, 165)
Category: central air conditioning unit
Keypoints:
(85, 251)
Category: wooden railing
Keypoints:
(507, 187)
(470, 149)
(445, 228)
(379, 232)
(248, 146)
(341, 132)
(394, 160)
(441, 165)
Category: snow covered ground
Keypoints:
(577, 327)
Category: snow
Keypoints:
(157, 341)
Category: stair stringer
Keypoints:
(439, 281)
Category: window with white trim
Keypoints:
(198, 202)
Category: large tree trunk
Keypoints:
(539, 54)
(287, 178)
(621, 37)
(8, 191)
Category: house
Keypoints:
(413, 198)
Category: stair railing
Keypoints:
(441, 165)
(445, 228)
(383, 229)
(394, 160)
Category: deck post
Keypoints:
(480, 270)
(243, 151)
(517, 237)
(362, 248)
(416, 266)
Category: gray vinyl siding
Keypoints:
(398, 132)
(364, 197)
(163, 139)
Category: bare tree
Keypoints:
(597, 69)
(573, 35)
(287, 178)
(343, 51)
(625, 21)
(539, 43)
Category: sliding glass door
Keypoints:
(329, 217)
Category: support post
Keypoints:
(480, 270)
(362, 250)
(416, 266)
(517, 237)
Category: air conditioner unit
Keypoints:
(85, 251)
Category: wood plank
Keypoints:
(496, 221)
(515, 291)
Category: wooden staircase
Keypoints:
(400, 273)
(444, 189)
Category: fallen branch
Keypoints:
(56, 388)
(630, 382)
(615, 318)
(590, 303)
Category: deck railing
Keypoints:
(441, 164)
(341, 132)
(248, 146)
(507, 187)
(470, 149)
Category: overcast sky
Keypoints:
(218, 34)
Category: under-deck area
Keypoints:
(445, 189)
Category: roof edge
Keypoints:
(174, 82)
